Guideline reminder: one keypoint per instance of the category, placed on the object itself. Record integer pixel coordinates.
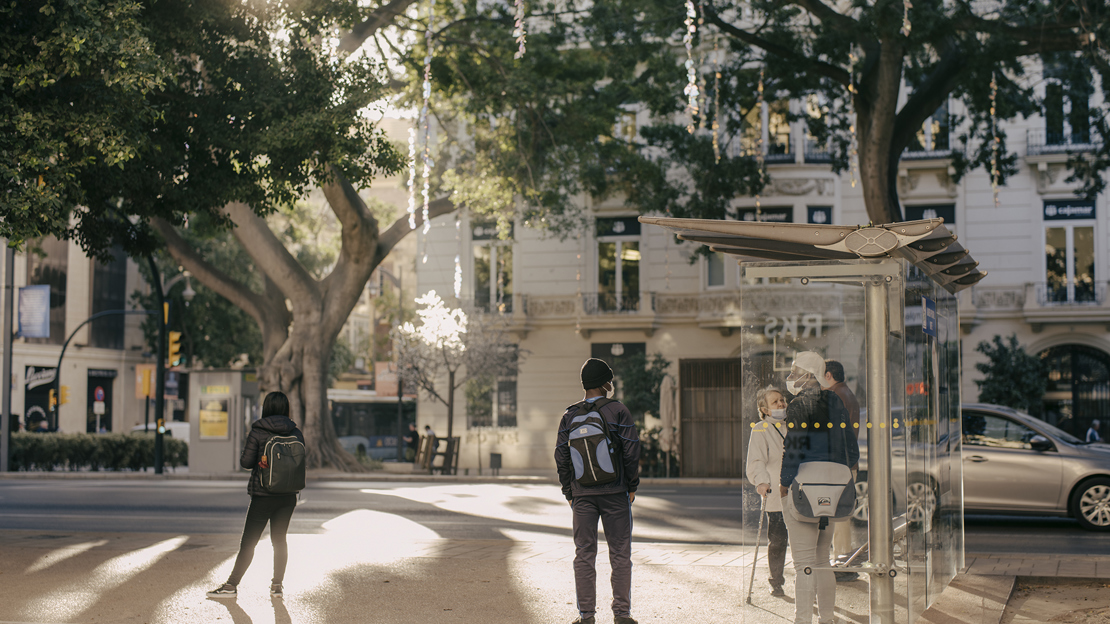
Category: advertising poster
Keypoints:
(213, 418)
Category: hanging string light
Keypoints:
(412, 178)
(716, 99)
(760, 105)
(996, 141)
(853, 146)
(458, 256)
(427, 172)
(691, 90)
(520, 32)
(906, 6)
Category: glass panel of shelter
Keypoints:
(923, 426)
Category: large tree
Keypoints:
(551, 125)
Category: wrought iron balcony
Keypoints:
(1041, 141)
(608, 303)
(1063, 294)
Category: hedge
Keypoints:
(92, 451)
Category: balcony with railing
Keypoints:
(816, 153)
(1039, 303)
(1040, 141)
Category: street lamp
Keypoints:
(382, 274)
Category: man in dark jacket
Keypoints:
(275, 509)
(611, 502)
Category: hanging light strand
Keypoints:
(906, 6)
(458, 256)
(760, 104)
(996, 141)
(716, 99)
(412, 178)
(853, 145)
(520, 31)
(691, 90)
(427, 172)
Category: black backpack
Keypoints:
(592, 453)
(285, 465)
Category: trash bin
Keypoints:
(495, 462)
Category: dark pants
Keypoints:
(776, 547)
(616, 517)
(277, 511)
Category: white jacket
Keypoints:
(765, 459)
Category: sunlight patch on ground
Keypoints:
(55, 557)
(540, 505)
(67, 603)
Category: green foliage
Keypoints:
(87, 451)
(653, 459)
(214, 332)
(1011, 376)
(640, 377)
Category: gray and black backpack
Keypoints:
(592, 453)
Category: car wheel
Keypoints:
(859, 514)
(920, 498)
(1090, 504)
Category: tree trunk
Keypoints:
(876, 107)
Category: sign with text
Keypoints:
(767, 215)
(34, 311)
(213, 418)
(1068, 209)
(929, 316)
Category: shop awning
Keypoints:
(928, 244)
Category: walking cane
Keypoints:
(758, 534)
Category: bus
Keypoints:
(366, 423)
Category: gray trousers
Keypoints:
(810, 546)
(615, 513)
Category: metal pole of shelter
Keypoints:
(6, 379)
(880, 521)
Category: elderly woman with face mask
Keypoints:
(763, 467)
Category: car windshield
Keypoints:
(1056, 432)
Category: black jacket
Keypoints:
(262, 430)
(622, 431)
(827, 434)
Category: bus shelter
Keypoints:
(886, 295)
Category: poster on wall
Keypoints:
(213, 418)
(36, 398)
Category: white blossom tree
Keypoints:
(449, 347)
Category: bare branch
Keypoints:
(380, 18)
(820, 68)
(400, 227)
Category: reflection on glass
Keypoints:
(1056, 264)
(995, 432)
(1084, 253)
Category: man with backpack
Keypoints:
(275, 454)
(597, 454)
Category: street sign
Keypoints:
(98, 394)
(98, 408)
(929, 316)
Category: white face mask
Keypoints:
(794, 386)
(777, 415)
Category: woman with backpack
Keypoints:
(267, 506)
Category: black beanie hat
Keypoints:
(595, 373)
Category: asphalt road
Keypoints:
(674, 514)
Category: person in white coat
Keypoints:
(763, 467)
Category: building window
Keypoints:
(618, 264)
(47, 264)
(109, 292)
(491, 401)
(778, 130)
(715, 269)
(493, 269)
(1069, 251)
(933, 136)
(821, 215)
(1067, 111)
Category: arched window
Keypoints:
(1078, 387)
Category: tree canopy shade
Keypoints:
(596, 104)
(76, 80)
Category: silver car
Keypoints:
(1013, 463)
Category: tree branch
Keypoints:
(828, 15)
(400, 227)
(380, 18)
(927, 97)
(273, 320)
(817, 67)
(271, 256)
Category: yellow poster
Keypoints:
(213, 419)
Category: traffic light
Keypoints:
(64, 398)
(174, 350)
(53, 400)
